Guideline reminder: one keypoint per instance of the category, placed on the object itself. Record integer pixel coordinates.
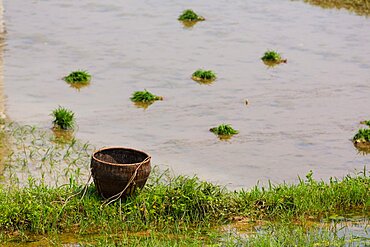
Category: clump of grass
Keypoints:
(144, 97)
(366, 122)
(78, 77)
(63, 118)
(224, 130)
(204, 76)
(190, 16)
(363, 135)
(361, 140)
(272, 58)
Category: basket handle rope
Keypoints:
(118, 195)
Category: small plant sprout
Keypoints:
(190, 16)
(224, 131)
(204, 76)
(272, 58)
(63, 118)
(79, 77)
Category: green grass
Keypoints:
(285, 234)
(169, 211)
(363, 135)
(144, 97)
(272, 56)
(78, 77)
(224, 130)
(63, 118)
(307, 198)
(366, 122)
(190, 15)
(181, 201)
(204, 75)
(176, 206)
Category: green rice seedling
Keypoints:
(63, 118)
(363, 135)
(31, 151)
(204, 76)
(190, 16)
(224, 131)
(144, 97)
(78, 77)
(361, 141)
(366, 122)
(272, 58)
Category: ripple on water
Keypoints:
(300, 113)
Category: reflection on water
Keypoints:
(353, 229)
(189, 24)
(78, 86)
(301, 117)
(62, 136)
(349, 225)
(362, 147)
(360, 7)
(49, 156)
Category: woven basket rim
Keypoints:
(119, 164)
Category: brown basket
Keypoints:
(118, 171)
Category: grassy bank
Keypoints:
(169, 211)
(360, 7)
(180, 206)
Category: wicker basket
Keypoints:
(118, 171)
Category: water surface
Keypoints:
(300, 117)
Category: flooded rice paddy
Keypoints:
(300, 115)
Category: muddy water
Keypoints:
(300, 117)
(353, 229)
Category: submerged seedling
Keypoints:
(63, 118)
(272, 58)
(191, 16)
(204, 76)
(145, 97)
(224, 131)
(78, 77)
